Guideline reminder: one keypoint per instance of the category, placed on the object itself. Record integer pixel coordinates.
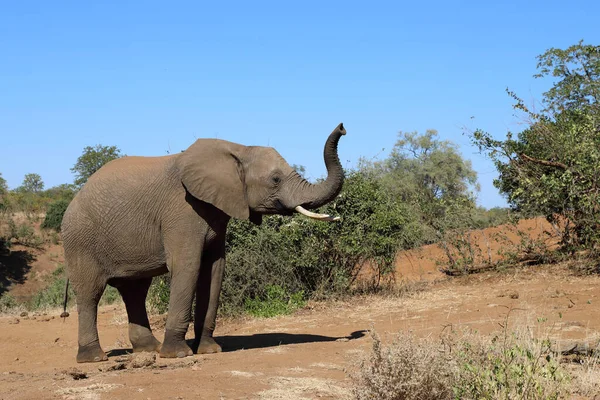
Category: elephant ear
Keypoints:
(211, 171)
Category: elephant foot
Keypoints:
(147, 343)
(91, 353)
(175, 346)
(142, 339)
(208, 345)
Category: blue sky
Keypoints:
(151, 77)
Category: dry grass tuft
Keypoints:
(409, 368)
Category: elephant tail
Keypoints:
(65, 313)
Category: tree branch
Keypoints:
(544, 162)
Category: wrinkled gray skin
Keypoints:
(139, 217)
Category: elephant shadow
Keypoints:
(261, 341)
(264, 340)
(14, 266)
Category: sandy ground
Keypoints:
(302, 356)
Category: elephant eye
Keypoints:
(276, 179)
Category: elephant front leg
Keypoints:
(207, 303)
(183, 286)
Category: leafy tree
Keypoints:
(430, 176)
(552, 166)
(91, 160)
(578, 71)
(32, 183)
(3, 192)
(63, 191)
(3, 185)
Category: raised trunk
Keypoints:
(313, 196)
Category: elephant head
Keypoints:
(248, 181)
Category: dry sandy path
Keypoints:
(302, 356)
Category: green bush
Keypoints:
(158, 295)
(277, 301)
(53, 294)
(54, 215)
(512, 366)
(24, 234)
(7, 302)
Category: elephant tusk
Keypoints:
(321, 217)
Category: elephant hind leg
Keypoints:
(88, 292)
(134, 294)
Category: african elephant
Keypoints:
(139, 217)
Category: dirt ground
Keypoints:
(308, 355)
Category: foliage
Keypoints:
(276, 302)
(431, 178)
(53, 294)
(24, 233)
(91, 160)
(318, 258)
(7, 302)
(54, 215)
(3, 185)
(63, 191)
(511, 366)
(551, 167)
(32, 183)
(578, 70)
(158, 295)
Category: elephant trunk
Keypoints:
(315, 195)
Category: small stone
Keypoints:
(514, 295)
(17, 359)
(14, 321)
(24, 314)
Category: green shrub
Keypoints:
(511, 366)
(24, 234)
(53, 294)
(110, 295)
(7, 302)
(158, 295)
(277, 301)
(54, 215)
(318, 258)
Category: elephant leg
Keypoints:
(88, 291)
(134, 294)
(207, 301)
(184, 264)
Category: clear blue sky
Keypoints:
(150, 77)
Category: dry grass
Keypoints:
(409, 368)
(515, 363)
